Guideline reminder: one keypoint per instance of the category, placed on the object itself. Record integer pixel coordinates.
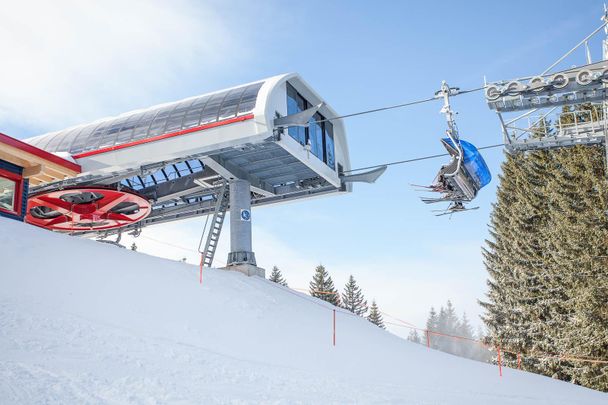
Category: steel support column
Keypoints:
(241, 256)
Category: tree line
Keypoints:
(351, 298)
(447, 322)
(547, 260)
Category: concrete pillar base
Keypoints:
(235, 258)
(247, 269)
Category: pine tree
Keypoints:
(480, 352)
(467, 347)
(448, 324)
(277, 277)
(441, 342)
(465, 329)
(432, 322)
(353, 299)
(134, 247)
(322, 286)
(579, 235)
(375, 316)
(413, 336)
(432, 325)
(548, 281)
(516, 316)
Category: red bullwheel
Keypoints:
(86, 209)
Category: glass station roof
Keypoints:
(155, 121)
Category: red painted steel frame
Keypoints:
(73, 215)
(164, 136)
(18, 179)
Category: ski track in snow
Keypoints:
(126, 328)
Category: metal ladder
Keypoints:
(221, 206)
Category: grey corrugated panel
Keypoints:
(154, 121)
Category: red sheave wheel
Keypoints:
(86, 209)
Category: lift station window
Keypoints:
(8, 193)
(319, 133)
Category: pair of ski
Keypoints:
(455, 206)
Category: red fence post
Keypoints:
(334, 327)
(499, 361)
(428, 339)
(201, 271)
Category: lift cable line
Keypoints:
(536, 100)
(391, 107)
(457, 182)
(126, 180)
(400, 162)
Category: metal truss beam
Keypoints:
(228, 170)
(590, 133)
(113, 177)
(573, 86)
(262, 172)
(177, 187)
(159, 216)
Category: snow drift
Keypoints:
(83, 322)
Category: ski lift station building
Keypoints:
(260, 143)
(22, 166)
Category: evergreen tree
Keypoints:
(134, 247)
(480, 351)
(480, 335)
(464, 329)
(277, 277)
(440, 341)
(432, 325)
(413, 336)
(578, 235)
(322, 286)
(375, 316)
(448, 324)
(516, 316)
(353, 299)
(432, 322)
(548, 281)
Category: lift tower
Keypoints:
(538, 100)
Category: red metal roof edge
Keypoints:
(26, 147)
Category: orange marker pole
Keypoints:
(428, 339)
(519, 361)
(334, 327)
(499, 361)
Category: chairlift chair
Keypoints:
(459, 181)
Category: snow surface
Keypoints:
(82, 322)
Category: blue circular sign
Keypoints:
(245, 215)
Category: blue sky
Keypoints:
(72, 63)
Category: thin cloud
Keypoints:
(66, 62)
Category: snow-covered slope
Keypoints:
(82, 322)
